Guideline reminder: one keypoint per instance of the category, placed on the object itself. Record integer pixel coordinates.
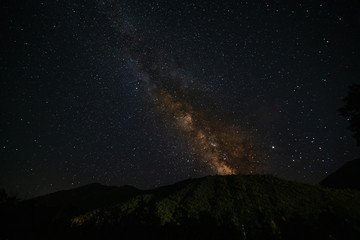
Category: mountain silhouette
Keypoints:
(346, 177)
(212, 207)
(84, 198)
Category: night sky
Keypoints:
(148, 93)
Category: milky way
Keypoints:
(148, 93)
(221, 147)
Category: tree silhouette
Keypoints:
(351, 110)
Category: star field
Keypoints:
(148, 93)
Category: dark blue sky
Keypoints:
(151, 93)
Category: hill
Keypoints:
(345, 177)
(213, 207)
(84, 198)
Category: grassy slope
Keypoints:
(243, 207)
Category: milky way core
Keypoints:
(223, 148)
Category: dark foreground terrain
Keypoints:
(346, 177)
(213, 207)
